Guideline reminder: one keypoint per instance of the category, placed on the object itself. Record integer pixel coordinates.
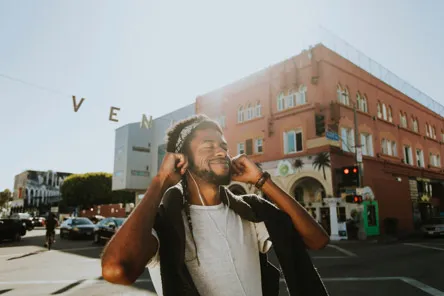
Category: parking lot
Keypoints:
(347, 268)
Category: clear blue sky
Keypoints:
(156, 56)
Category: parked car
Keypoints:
(12, 229)
(77, 228)
(24, 217)
(434, 227)
(106, 228)
(39, 221)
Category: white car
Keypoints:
(434, 227)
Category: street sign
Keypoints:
(332, 136)
(54, 209)
(358, 154)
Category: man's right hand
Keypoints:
(173, 166)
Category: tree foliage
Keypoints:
(322, 161)
(86, 190)
(5, 196)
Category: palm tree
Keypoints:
(298, 164)
(322, 161)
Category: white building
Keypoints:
(139, 151)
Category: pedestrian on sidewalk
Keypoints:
(198, 238)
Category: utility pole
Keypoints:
(358, 150)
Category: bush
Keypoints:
(391, 226)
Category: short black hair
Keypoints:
(174, 132)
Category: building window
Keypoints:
(364, 104)
(427, 129)
(420, 158)
(442, 135)
(361, 102)
(390, 117)
(415, 125)
(258, 146)
(348, 139)
(434, 132)
(289, 100)
(403, 119)
(389, 147)
(280, 101)
(258, 110)
(240, 148)
(408, 158)
(343, 95)
(292, 141)
(367, 144)
(240, 114)
(249, 112)
(301, 95)
(435, 160)
(384, 112)
(379, 110)
(221, 121)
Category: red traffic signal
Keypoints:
(346, 171)
(354, 199)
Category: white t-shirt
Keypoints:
(228, 266)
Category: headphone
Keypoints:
(217, 229)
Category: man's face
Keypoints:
(209, 158)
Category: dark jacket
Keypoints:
(300, 275)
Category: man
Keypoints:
(203, 239)
(51, 224)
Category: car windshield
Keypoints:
(119, 221)
(81, 222)
(436, 221)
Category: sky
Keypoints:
(154, 57)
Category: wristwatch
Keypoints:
(265, 176)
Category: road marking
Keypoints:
(342, 250)
(56, 282)
(423, 246)
(330, 257)
(40, 250)
(417, 284)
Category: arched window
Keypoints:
(358, 101)
(249, 112)
(364, 104)
(403, 119)
(289, 100)
(415, 124)
(240, 114)
(346, 97)
(258, 111)
(301, 95)
(339, 93)
(384, 112)
(433, 132)
(427, 129)
(379, 110)
(390, 117)
(343, 95)
(280, 102)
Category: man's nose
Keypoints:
(221, 152)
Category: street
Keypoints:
(347, 268)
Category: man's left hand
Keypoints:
(244, 170)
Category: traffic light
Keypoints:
(350, 176)
(320, 124)
(357, 199)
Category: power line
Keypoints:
(32, 84)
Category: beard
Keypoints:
(210, 176)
